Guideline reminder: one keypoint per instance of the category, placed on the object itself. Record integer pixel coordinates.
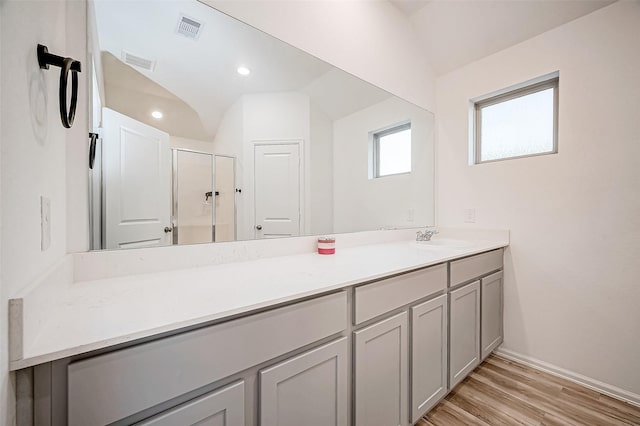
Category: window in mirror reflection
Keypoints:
(392, 150)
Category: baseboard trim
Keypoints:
(604, 388)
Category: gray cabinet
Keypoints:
(384, 372)
(381, 373)
(375, 299)
(224, 407)
(429, 355)
(310, 389)
(113, 386)
(464, 332)
(472, 267)
(492, 301)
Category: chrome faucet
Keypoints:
(425, 235)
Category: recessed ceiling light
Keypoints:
(156, 114)
(244, 71)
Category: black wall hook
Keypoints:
(66, 65)
(92, 148)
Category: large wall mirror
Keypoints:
(211, 130)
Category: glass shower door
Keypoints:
(193, 197)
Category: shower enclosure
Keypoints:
(203, 197)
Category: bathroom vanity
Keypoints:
(376, 334)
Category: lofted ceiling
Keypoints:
(457, 32)
(134, 95)
(201, 73)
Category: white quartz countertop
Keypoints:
(90, 315)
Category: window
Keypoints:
(392, 150)
(517, 123)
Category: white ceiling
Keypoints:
(339, 94)
(457, 32)
(203, 73)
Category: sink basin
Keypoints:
(444, 242)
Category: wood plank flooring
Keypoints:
(503, 392)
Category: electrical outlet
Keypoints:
(45, 223)
(469, 215)
(410, 213)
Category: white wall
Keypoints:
(320, 214)
(572, 293)
(38, 156)
(263, 117)
(369, 39)
(228, 141)
(275, 117)
(192, 144)
(5, 399)
(77, 155)
(361, 203)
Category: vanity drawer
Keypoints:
(475, 266)
(110, 387)
(375, 299)
(225, 406)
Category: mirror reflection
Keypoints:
(210, 130)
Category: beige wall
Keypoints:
(571, 286)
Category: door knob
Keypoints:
(167, 229)
(259, 227)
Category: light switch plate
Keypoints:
(45, 223)
(469, 215)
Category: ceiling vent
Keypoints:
(189, 27)
(138, 61)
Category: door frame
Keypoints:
(95, 196)
(174, 191)
(302, 174)
(235, 195)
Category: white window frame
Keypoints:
(550, 81)
(375, 148)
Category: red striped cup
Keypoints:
(326, 245)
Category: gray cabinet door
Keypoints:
(464, 352)
(429, 355)
(310, 389)
(224, 407)
(492, 301)
(381, 373)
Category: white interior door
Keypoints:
(136, 192)
(277, 190)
